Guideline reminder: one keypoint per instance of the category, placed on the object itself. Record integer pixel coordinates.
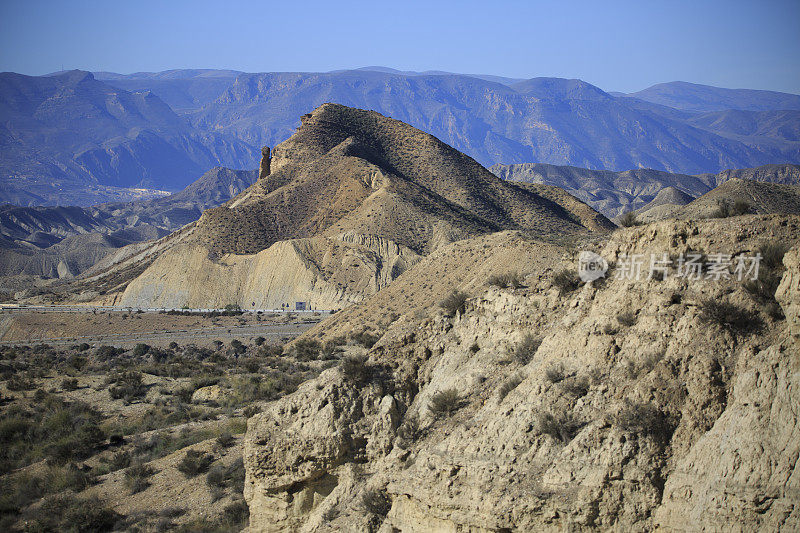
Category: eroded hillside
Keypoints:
(665, 402)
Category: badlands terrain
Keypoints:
(469, 379)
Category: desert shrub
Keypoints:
(20, 382)
(454, 304)
(354, 368)
(238, 347)
(251, 410)
(727, 209)
(408, 431)
(104, 353)
(225, 440)
(763, 288)
(71, 514)
(365, 339)
(140, 350)
(566, 281)
(554, 373)
(577, 386)
(307, 349)
(508, 280)
(732, 317)
(562, 427)
(526, 349)
(444, 403)
(628, 318)
(69, 384)
(376, 502)
(194, 462)
(628, 220)
(128, 386)
(223, 477)
(509, 385)
(772, 254)
(137, 477)
(259, 340)
(644, 419)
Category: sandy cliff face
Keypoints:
(326, 272)
(635, 413)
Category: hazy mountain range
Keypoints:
(62, 133)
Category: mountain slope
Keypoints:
(73, 128)
(704, 98)
(353, 196)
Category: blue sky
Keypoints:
(623, 46)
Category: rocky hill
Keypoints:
(350, 202)
(663, 403)
(614, 193)
(61, 133)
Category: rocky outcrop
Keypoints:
(636, 411)
(263, 169)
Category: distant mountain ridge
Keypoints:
(158, 130)
(705, 98)
(74, 129)
(65, 241)
(614, 193)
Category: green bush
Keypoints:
(71, 514)
(566, 281)
(140, 350)
(444, 403)
(129, 386)
(69, 384)
(454, 304)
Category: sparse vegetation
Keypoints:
(509, 385)
(628, 220)
(627, 319)
(444, 403)
(731, 317)
(376, 502)
(511, 280)
(354, 368)
(194, 462)
(554, 374)
(454, 304)
(137, 477)
(562, 427)
(772, 255)
(566, 281)
(644, 419)
(727, 209)
(526, 349)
